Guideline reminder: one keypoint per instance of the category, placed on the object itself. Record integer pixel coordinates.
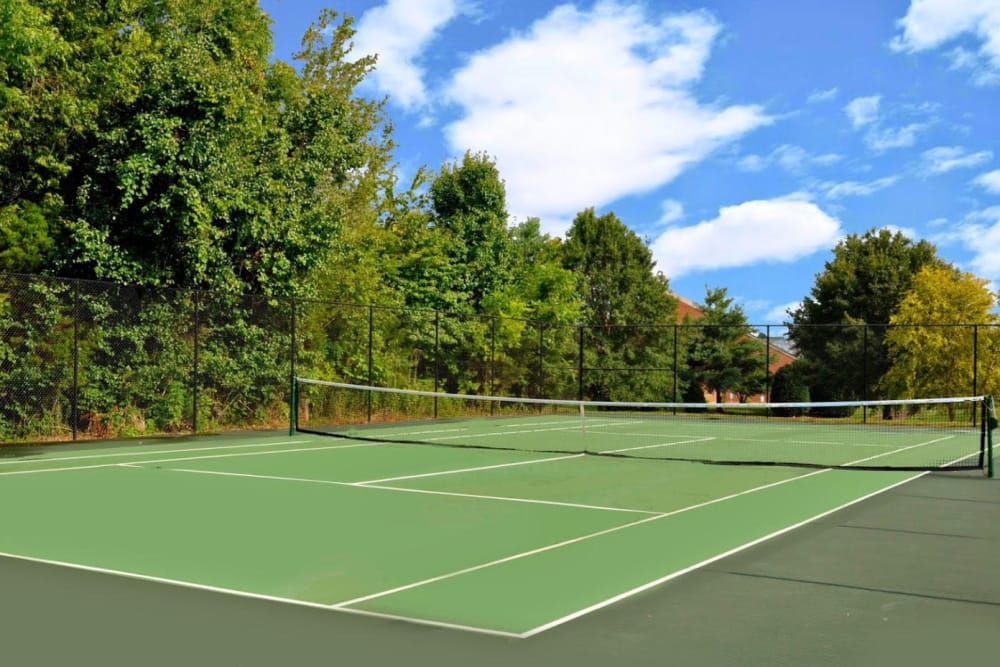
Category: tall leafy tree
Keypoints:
(933, 336)
(41, 112)
(625, 304)
(724, 355)
(840, 328)
(156, 143)
(543, 293)
(448, 249)
(468, 201)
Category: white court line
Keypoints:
(186, 450)
(403, 489)
(901, 449)
(257, 596)
(574, 540)
(656, 517)
(191, 458)
(673, 575)
(558, 422)
(662, 444)
(737, 549)
(476, 469)
(388, 431)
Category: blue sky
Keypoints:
(741, 138)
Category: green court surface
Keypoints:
(473, 542)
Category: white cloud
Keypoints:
(980, 233)
(398, 32)
(863, 110)
(990, 181)
(671, 210)
(823, 96)
(775, 230)
(930, 24)
(884, 139)
(789, 157)
(866, 112)
(752, 163)
(588, 106)
(856, 189)
(780, 313)
(908, 232)
(947, 158)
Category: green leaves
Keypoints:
(934, 328)
(26, 240)
(724, 355)
(864, 283)
(170, 151)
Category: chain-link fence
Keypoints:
(84, 359)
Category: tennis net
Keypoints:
(920, 434)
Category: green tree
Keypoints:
(543, 292)
(26, 244)
(41, 114)
(840, 328)
(790, 386)
(932, 337)
(625, 305)
(468, 202)
(161, 146)
(724, 355)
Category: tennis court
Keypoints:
(493, 537)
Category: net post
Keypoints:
(293, 407)
(990, 422)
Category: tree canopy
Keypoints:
(159, 146)
(626, 305)
(863, 284)
(945, 314)
(724, 355)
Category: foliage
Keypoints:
(41, 109)
(35, 359)
(790, 386)
(26, 239)
(622, 297)
(723, 353)
(468, 203)
(863, 284)
(931, 330)
(132, 120)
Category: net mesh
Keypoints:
(926, 434)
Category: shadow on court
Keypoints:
(907, 577)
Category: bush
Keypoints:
(789, 386)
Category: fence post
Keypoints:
(194, 374)
(493, 359)
(437, 358)
(293, 398)
(579, 367)
(767, 363)
(540, 391)
(371, 334)
(74, 410)
(674, 399)
(975, 358)
(864, 372)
